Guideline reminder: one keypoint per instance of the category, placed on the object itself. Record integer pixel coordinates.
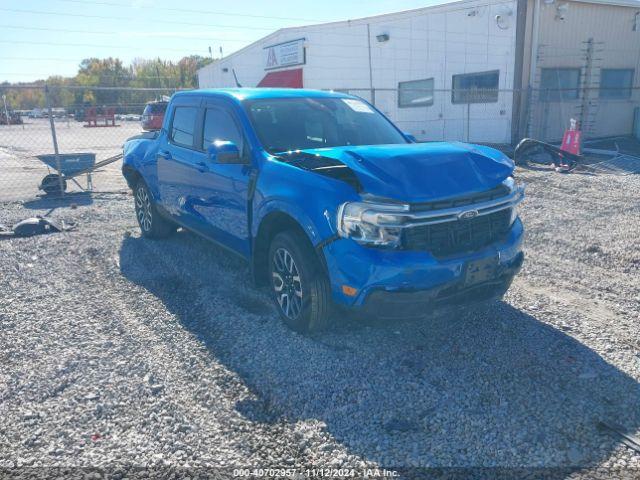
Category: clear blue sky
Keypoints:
(33, 45)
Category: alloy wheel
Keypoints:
(143, 209)
(286, 283)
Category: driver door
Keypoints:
(222, 187)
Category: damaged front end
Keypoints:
(321, 165)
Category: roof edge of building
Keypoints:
(358, 20)
(615, 3)
(459, 3)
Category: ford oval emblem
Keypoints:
(468, 215)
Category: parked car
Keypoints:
(153, 115)
(13, 119)
(330, 202)
(36, 113)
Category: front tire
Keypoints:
(152, 225)
(299, 286)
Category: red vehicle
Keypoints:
(153, 115)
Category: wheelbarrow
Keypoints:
(69, 166)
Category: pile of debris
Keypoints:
(570, 155)
(34, 226)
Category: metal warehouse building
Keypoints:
(475, 70)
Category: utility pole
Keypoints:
(586, 86)
(6, 112)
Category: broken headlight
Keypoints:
(371, 223)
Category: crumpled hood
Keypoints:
(420, 172)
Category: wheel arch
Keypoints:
(131, 175)
(271, 224)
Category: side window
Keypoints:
(183, 126)
(616, 82)
(415, 93)
(559, 84)
(479, 87)
(219, 125)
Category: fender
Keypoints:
(317, 229)
(140, 157)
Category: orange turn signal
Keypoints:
(349, 291)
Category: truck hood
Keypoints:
(420, 171)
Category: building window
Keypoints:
(183, 126)
(616, 82)
(479, 87)
(558, 84)
(416, 93)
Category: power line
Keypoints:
(39, 59)
(206, 12)
(108, 75)
(111, 17)
(21, 42)
(27, 86)
(306, 28)
(104, 32)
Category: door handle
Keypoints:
(165, 154)
(202, 167)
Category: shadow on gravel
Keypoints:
(498, 389)
(52, 202)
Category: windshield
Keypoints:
(284, 124)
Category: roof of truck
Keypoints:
(255, 93)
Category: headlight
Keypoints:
(370, 223)
(511, 184)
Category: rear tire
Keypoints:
(152, 225)
(299, 285)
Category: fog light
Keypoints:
(349, 291)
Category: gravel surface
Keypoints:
(121, 352)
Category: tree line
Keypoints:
(164, 75)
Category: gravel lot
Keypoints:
(119, 352)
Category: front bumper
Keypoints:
(390, 304)
(400, 279)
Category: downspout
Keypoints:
(518, 98)
(533, 66)
(372, 91)
(534, 44)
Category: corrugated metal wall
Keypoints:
(565, 27)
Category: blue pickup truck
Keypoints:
(330, 202)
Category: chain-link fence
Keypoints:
(600, 113)
(503, 117)
(67, 121)
(478, 116)
(98, 120)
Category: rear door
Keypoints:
(176, 169)
(223, 188)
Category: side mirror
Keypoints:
(409, 137)
(222, 151)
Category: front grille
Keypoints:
(497, 192)
(458, 236)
